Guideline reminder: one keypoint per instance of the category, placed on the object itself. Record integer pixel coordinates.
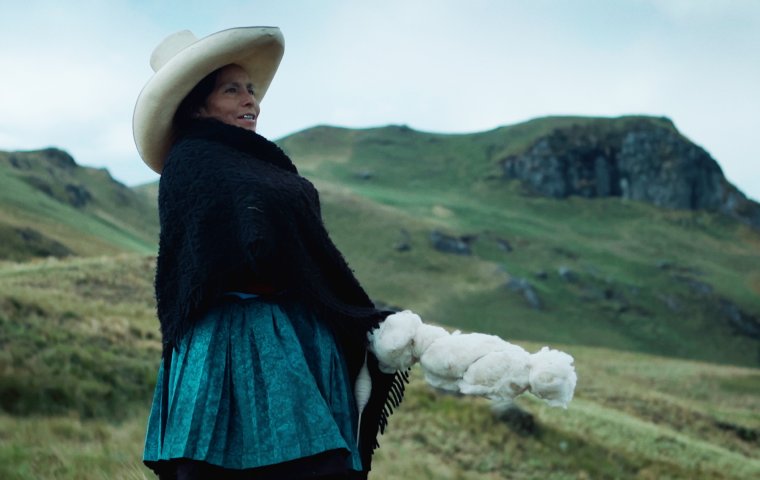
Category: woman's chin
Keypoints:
(247, 124)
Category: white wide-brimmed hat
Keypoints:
(180, 62)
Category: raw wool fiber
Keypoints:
(473, 363)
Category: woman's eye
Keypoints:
(250, 90)
(230, 90)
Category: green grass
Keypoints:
(424, 181)
(80, 350)
(624, 297)
(77, 336)
(634, 416)
(107, 217)
(67, 447)
(667, 388)
(420, 182)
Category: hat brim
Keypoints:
(257, 49)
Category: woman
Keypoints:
(264, 325)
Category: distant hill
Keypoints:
(448, 225)
(436, 223)
(50, 206)
(637, 158)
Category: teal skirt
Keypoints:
(253, 384)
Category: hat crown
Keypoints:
(171, 46)
(180, 61)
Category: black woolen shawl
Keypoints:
(233, 207)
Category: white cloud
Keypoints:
(74, 70)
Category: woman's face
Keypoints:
(232, 101)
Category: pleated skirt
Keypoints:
(254, 384)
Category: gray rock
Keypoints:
(593, 293)
(748, 434)
(664, 264)
(639, 159)
(39, 244)
(565, 253)
(504, 244)
(450, 244)
(78, 195)
(526, 290)
(671, 302)
(567, 274)
(743, 322)
(404, 244)
(700, 288)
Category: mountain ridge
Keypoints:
(510, 151)
(599, 271)
(644, 161)
(47, 199)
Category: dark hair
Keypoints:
(194, 101)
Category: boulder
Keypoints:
(568, 274)
(450, 244)
(504, 244)
(404, 244)
(526, 290)
(741, 321)
(638, 159)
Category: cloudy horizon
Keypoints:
(72, 70)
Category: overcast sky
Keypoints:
(71, 70)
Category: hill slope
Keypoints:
(602, 271)
(433, 223)
(80, 349)
(53, 207)
(429, 222)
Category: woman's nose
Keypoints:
(250, 100)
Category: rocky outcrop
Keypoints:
(449, 244)
(526, 290)
(643, 159)
(20, 243)
(55, 173)
(53, 157)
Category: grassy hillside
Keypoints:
(53, 207)
(604, 272)
(654, 282)
(80, 350)
(660, 309)
(634, 277)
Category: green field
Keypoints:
(65, 209)
(644, 278)
(80, 350)
(657, 307)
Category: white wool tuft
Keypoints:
(425, 336)
(444, 383)
(498, 374)
(552, 376)
(392, 340)
(472, 363)
(450, 356)
(362, 387)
